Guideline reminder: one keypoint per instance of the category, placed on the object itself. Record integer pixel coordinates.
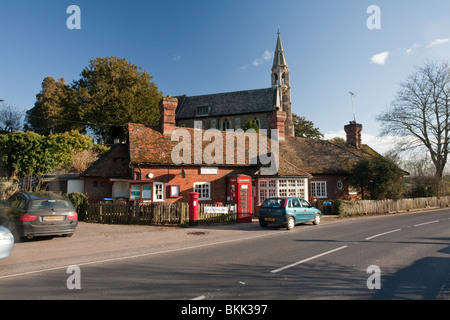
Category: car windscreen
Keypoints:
(273, 203)
(49, 204)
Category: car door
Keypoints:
(309, 211)
(297, 210)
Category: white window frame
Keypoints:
(319, 189)
(158, 191)
(200, 187)
(284, 187)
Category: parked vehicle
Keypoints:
(288, 211)
(6, 242)
(30, 214)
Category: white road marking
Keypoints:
(422, 224)
(306, 260)
(382, 234)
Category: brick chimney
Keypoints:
(277, 120)
(353, 131)
(167, 108)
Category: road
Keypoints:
(403, 256)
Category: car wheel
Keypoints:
(316, 220)
(290, 223)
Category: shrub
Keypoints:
(80, 202)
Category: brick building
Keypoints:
(143, 169)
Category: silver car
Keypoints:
(6, 242)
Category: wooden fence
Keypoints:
(369, 207)
(154, 213)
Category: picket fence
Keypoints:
(153, 214)
(369, 207)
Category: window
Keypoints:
(204, 190)
(225, 124)
(340, 185)
(158, 191)
(319, 189)
(257, 123)
(135, 192)
(271, 188)
(202, 111)
(139, 192)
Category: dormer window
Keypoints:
(201, 111)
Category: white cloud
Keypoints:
(438, 42)
(380, 58)
(412, 49)
(265, 57)
(176, 57)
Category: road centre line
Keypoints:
(422, 224)
(306, 260)
(382, 234)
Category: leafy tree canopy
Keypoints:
(378, 177)
(110, 93)
(305, 128)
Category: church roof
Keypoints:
(221, 104)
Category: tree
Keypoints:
(378, 177)
(10, 118)
(305, 129)
(421, 111)
(114, 92)
(251, 124)
(55, 109)
(25, 154)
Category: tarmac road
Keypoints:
(240, 261)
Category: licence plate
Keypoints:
(53, 218)
(269, 219)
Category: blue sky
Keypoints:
(210, 46)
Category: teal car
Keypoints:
(288, 211)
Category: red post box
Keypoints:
(193, 208)
(240, 193)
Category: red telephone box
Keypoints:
(240, 192)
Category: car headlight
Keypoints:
(6, 236)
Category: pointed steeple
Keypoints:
(281, 83)
(279, 58)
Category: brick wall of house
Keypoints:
(97, 188)
(170, 176)
(333, 192)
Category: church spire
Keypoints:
(281, 82)
(279, 58)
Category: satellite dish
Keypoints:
(150, 175)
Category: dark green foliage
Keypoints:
(80, 203)
(377, 177)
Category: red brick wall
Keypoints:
(97, 188)
(333, 192)
(171, 176)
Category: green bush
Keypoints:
(80, 202)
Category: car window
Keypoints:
(295, 203)
(10, 200)
(50, 204)
(19, 202)
(305, 203)
(273, 203)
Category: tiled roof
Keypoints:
(322, 156)
(112, 164)
(149, 146)
(221, 104)
(297, 156)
